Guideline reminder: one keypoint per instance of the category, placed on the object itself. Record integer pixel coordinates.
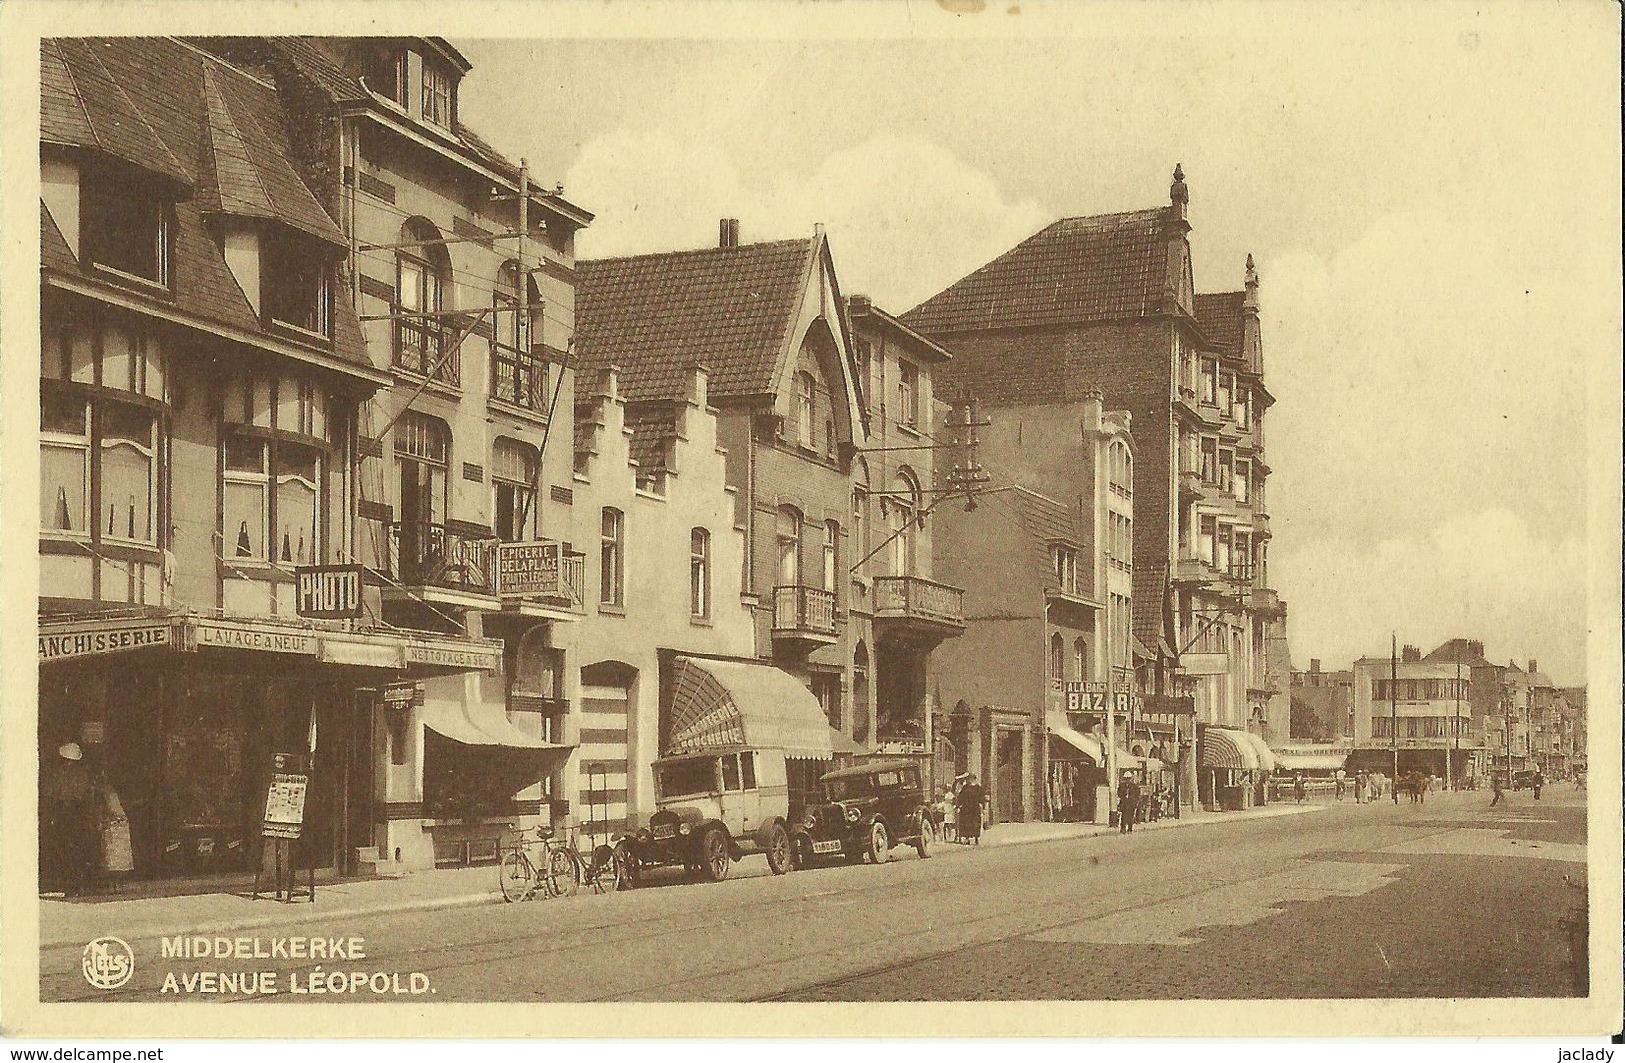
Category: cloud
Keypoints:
(905, 216)
(1485, 575)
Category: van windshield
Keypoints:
(697, 776)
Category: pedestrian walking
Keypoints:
(969, 802)
(1359, 787)
(1537, 782)
(1128, 803)
(1299, 790)
(69, 827)
(1495, 790)
(1339, 780)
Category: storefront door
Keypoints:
(1009, 774)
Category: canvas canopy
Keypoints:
(723, 703)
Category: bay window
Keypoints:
(129, 449)
(64, 463)
(273, 471)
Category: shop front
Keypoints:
(1077, 781)
(1230, 770)
(180, 716)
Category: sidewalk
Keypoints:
(69, 924)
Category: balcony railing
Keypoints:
(804, 609)
(553, 723)
(910, 597)
(432, 555)
(424, 346)
(519, 378)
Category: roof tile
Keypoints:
(1218, 315)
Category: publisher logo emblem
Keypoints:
(108, 963)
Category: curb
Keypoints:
(468, 900)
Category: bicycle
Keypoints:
(559, 870)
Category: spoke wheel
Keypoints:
(778, 850)
(562, 880)
(518, 877)
(928, 836)
(879, 843)
(624, 867)
(714, 854)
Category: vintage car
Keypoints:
(714, 807)
(868, 810)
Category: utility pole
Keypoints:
(1455, 730)
(1393, 713)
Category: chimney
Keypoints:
(1314, 666)
(728, 232)
(1475, 650)
(1532, 664)
(1410, 653)
(1094, 405)
(1178, 194)
(858, 304)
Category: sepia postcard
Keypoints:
(957, 518)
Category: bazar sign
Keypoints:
(527, 568)
(242, 637)
(59, 645)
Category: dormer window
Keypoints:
(436, 95)
(126, 228)
(1066, 567)
(295, 287)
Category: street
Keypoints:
(1447, 898)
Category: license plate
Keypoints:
(827, 847)
(665, 832)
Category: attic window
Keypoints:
(295, 286)
(386, 75)
(436, 95)
(126, 227)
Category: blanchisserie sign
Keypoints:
(328, 592)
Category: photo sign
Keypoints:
(527, 568)
(328, 592)
(285, 797)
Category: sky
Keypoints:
(1432, 203)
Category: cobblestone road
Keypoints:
(1450, 898)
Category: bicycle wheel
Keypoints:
(518, 876)
(563, 877)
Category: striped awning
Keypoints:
(1059, 728)
(722, 703)
(1224, 748)
(1266, 755)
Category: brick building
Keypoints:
(1108, 303)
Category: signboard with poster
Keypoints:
(527, 568)
(285, 797)
(328, 592)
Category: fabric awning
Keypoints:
(1287, 761)
(478, 724)
(1266, 755)
(723, 703)
(1224, 748)
(1088, 745)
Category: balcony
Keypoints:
(804, 617)
(1265, 600)
(546, 717)
(1190, 485)
(1195, 570)
(424, 348)
(520, 378)
(912, 609)
(563, 600)
(435, 557)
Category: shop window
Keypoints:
(699, 573)
(295, 286)
(513, 483)
(611, 558)
(126, 225)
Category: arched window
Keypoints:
(611, 558)
(513, 485)
(789, 544)
(699, 572)
(860, 511)
(904, 508)
(806, 409)
(832, 546)
(1080, 660)
(517, 374)
(422, 281)
(1057, 656)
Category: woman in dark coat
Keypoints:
(969, 803)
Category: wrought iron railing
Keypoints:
(519, 377)
(432, 555)
(552, 715)
(424, 346)
(804, 609)
(912, 597)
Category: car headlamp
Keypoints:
(810, 820)
(682, 828)
(853, 815)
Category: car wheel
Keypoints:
(714, 857)
(879, 843)
(624, 868)
(778, 850)
(927, 838)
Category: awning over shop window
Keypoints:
(1289, 761)
(478, 724)
(721, 703)
(1266, 755)
(1224, 748)
(1088, 745)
